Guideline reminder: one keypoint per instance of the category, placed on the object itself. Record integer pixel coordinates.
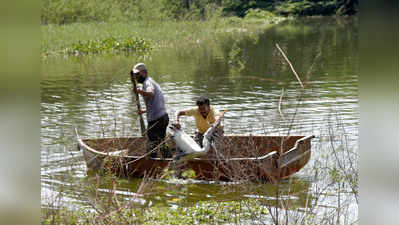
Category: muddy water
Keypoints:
(244, 74)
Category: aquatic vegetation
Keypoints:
(203, 212)
(188, 173)
(111, 45)
(340, 177)
(121, 38)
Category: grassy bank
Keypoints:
(57, 38)
(160, 23)
(88, 24)
(202, 213)
(332, 173)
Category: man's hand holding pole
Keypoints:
(140, 112)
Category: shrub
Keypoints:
(111, 45)
(259, 14)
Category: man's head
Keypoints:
(203, 104)
(140, 72)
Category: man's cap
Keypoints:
(139, 67)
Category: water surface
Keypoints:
(242, 73)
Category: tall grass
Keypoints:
(55, 38)
(66, 12)
(68, 22)
(164, 23)
(331, 198)
(72, 11)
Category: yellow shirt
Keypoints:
(202, 123)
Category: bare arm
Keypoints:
(147, 93)
(141, 111)
(178, 114)
(218, 116)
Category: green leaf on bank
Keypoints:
(108, 46)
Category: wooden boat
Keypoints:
(239, 157)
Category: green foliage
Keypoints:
(63, 11)
(188, 174)
(239, 7)
(335, 174)
(191, 9)
(236, 57)
(204, 212)
(111, 45)
(64, 216)
(294, 7)
(168, 174)
(263, 15)
(71, 11)
(259, 14)
(347, 7)
(57, 39)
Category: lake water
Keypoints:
(243, 73)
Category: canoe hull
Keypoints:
(242, 157)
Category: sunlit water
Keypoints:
(245, 76)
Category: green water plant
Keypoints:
(203, 212)
(111, 45)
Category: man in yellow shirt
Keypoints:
(205, 115)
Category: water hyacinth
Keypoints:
(111, 45)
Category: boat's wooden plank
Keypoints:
(300, 149)
(244, 156)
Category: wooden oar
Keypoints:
(142, 126)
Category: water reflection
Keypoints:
(184, 193)
(241, 73)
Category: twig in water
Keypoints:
(289, 63)
(307, 77)
(279, 105)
